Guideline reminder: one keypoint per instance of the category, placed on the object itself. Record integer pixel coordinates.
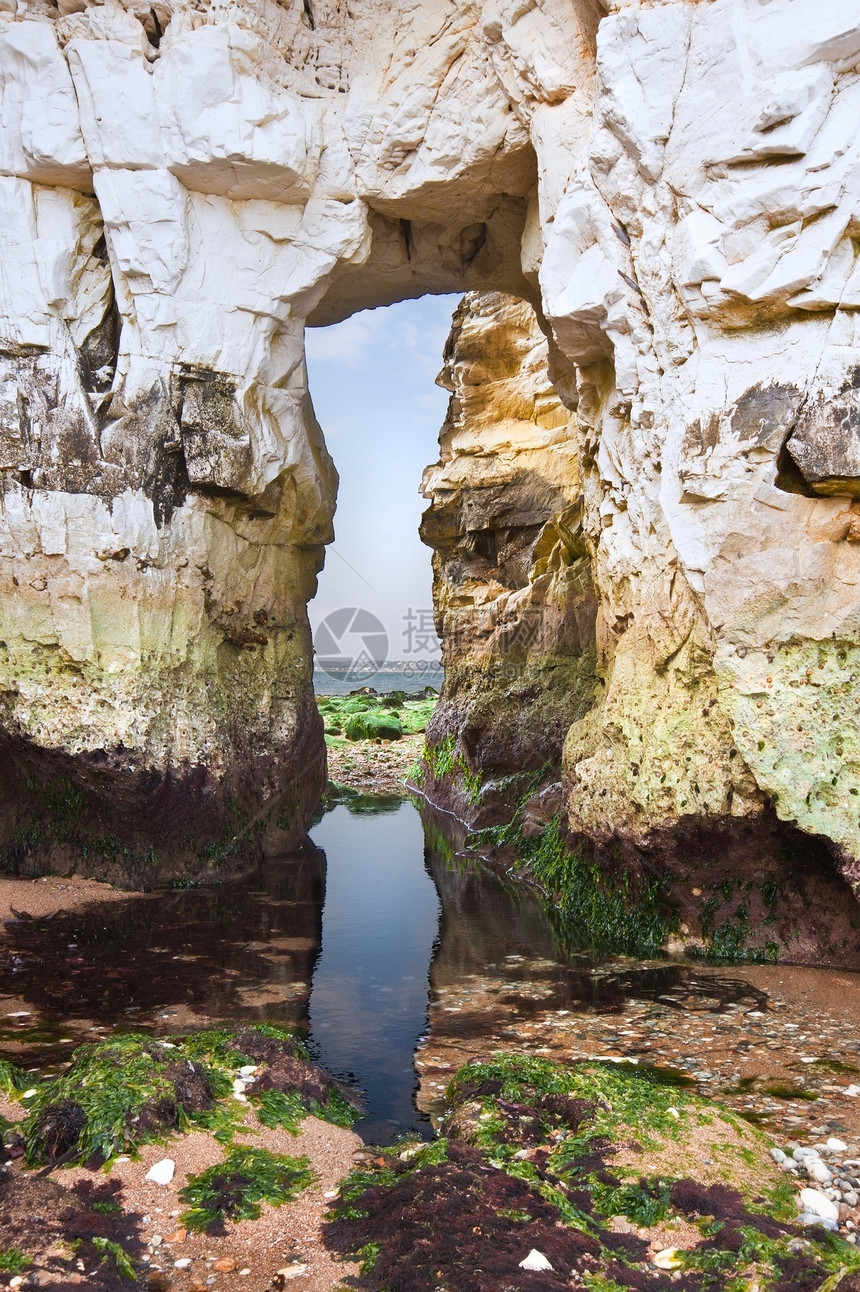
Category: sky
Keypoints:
(372, 382)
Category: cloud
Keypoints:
(348, 342)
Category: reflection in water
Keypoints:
(368, 1004)
(174, 961)
(168, 961)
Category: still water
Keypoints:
(350, 940)
(368, 1002)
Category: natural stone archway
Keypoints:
(673, 186)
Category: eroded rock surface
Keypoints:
(514, 596)
(675, 187)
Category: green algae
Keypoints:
(527, 1139)
(134, 1089)
(233, 1189)
(13, 1260)
(115, 1253)
(370, 717)
(372, 726)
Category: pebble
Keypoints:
(162, 1172)
(291, 1272)
(182, 1263)
(225, 1265)
(813, 1200)
(668, 1259)
(535, 1261)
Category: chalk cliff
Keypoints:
(675, 188)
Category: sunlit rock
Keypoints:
(673, 188)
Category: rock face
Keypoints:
(675, 187)
(513, 591)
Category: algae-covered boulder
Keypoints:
(617, 1175)
(373, 726)
(133, 1089)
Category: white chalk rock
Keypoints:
(819, 1204)
(161, 1172)
(535, 1261)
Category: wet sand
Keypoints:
(23, 897)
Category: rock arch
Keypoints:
(185, 185)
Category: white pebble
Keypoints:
(818, 1171)
(668, 1259)
(182, 1263)
(836, 1145)
(535, 1261)
(162, 1172)
(293, 1271)
(815, 1201)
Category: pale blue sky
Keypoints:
(372, 381)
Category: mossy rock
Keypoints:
(373, 726)
(358, 704)
(135, 1089)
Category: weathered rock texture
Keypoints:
(675, 186)
(514, 597)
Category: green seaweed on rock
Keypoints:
(536, 1154)
(613, 913)
(233, 1189)
(135, 1089)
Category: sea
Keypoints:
(411, 676)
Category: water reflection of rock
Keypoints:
(168, 961)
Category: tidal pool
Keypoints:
(400, 957)
(368, 1002)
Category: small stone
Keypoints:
(535, 1261)
(818, 1171)
(668, 1259)
(162, 1172)
(813, 1200)
(288, 1273)
(225, 1265)
(243, 1272)
(837, 1145)
(182, 1263)
(179, 1237)
(778, 1155)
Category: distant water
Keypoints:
(396, 675)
